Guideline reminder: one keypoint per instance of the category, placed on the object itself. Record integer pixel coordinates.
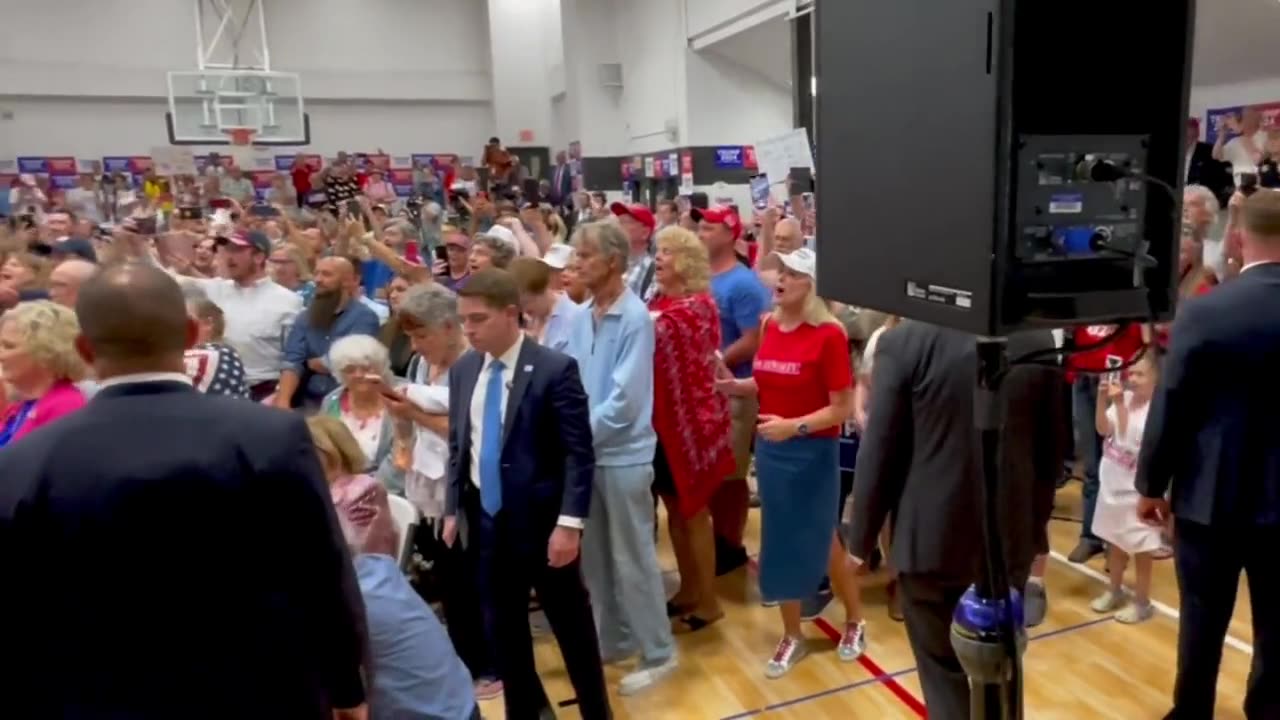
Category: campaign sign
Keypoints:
(133, 164)
(1221, 120)
(626, 171)
(262, 178)
(32, 165)
(402, 180)
(61, 166)
(284, 163)
(749, 157)
(730, 157)
(62, 182)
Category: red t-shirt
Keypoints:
(1125, 345)
(302, 178)
(797, 371)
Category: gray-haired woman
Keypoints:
(429, 316)
(363, 368)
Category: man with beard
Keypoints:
(258, 311)
(334, 313)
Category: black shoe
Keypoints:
(729, 559)
(1086, 550)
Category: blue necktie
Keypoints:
(491, 443)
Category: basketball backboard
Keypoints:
(205, 105)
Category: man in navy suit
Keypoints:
(170, 554)
(561, 181)
(520, 471)
(1210, 445)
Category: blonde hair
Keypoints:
(334, 441)
(691, 261)
(39, 266)
(48, 333)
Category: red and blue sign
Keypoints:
(402, 180)
(1218, 118)
(284, 163)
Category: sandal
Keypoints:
(693, 623)
(675, 611)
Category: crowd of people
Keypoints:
(537, 376)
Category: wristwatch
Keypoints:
(802, 429)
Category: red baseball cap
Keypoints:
(639, 213)
(721, 216)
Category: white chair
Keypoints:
(405, 515)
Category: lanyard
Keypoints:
(15, 422)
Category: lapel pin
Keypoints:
(528, 368)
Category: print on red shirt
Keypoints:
(797, 371)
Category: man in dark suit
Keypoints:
(1211, 457)
(920, 462)
(561, 181)
(179, 554)
(1202, 169)
(520, 471)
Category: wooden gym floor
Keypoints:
(1078, 664)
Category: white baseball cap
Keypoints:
(557, 256)
(803, 261)
(503, 234)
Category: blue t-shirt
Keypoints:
(741, 299)
(375, 275)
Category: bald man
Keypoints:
(335, 313)
(787, 237)
(66, 279)
(222, 585)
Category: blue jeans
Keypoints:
(1084, 403)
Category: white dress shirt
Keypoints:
(509, 359)
(258, 319)
(144, 378)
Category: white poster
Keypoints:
(648, 167)
(777, 155)
(171, 160)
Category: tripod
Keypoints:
(987, 627)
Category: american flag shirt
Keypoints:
(216, 369)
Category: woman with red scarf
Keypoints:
(692, 419)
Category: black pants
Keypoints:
(927, 606)
(1209, 560)
(509, 567)
(468, 618)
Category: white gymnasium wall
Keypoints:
(710, 21)
(652, 52)
(732, 104)
(1230, 94)
(88, 76)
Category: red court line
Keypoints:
(891, 683)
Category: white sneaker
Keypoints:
(1109, 601)
(1136, 613)
(790, 651)
(633, 683)
(853, 643)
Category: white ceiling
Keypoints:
(1235, 42)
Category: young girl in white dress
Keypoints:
(1121, 417)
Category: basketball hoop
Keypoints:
(240, 136)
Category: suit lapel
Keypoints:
(522, 374)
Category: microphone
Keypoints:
(1099, 170)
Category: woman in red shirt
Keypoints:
(804, 380)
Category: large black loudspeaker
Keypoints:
(996, 165)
